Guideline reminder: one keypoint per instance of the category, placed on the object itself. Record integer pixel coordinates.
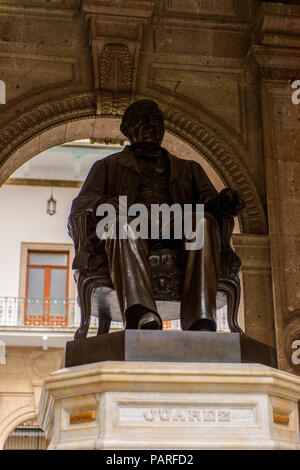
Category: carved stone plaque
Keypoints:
(201, 415)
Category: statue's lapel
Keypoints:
(175, 167)
(127, 160)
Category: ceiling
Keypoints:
(70, 161)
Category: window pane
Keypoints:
(36, 282)
(50, 259)
(35, 291)
(58, 291)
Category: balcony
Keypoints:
(41, 322)
(24, 313)
(52, 322)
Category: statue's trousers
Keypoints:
(131, 275)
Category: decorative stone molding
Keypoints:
(115, 31)
(268, 65)
(39, 118)
(115, 78)
(277, 37)
(278, 25)
(116, 67)
(276, 64)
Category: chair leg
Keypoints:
(84, 299)
(231, 287)
(104, 324)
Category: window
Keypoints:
(46, 284)
(47, 288)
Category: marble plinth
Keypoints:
(150, 405)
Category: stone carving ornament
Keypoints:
(115, 77)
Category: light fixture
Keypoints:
(51, 205)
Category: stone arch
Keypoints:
(14, 419)
(21, 132)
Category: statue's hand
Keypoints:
(231, 202)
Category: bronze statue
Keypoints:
(147, 173)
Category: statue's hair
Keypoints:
(127, 116)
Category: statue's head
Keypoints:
(143, 121)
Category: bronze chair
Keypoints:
(166, 275)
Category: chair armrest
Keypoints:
(82, 229)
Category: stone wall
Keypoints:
(21, 380)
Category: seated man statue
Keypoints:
(148, 174)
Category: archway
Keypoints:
(105, 130)
(75, 117)
(69, 118)
(28, 435)
(15, 418)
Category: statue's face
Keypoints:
(146, 125)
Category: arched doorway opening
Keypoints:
(26, 436)
(100, 135)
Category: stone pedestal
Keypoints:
(151, 405)
(169, 346)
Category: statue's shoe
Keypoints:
(149, 321)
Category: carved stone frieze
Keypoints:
(115, 32)
(35, 120)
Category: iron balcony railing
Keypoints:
(23, 312)
(40, 312)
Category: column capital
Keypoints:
(275, 54)
(278, 25)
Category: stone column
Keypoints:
(257, 286)
(277, 55)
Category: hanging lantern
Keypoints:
(51, 205)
